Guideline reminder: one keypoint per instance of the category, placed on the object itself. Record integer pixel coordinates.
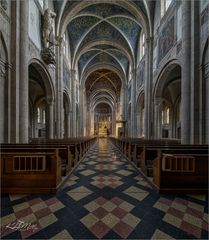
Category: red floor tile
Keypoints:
(122, 229)
(99, 229)
(191, 229)
(100, 200)
(100, 212)
(175, 212)
(119, 212)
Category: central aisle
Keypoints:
(107, 198)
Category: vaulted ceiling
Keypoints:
(103, 33)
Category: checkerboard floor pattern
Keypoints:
(107, 198)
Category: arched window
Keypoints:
(64, 44)
(44, 116)
(164, 6)
(142, 122)
(166, 116)
(38, 115)
(130, 73)
(142, 45)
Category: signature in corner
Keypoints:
(22, 226)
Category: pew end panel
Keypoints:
(30, 172)
(181, 173)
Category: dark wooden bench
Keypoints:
(149, 153)
(143, 153)
(177, 173)
(64, 153)
(30, 171)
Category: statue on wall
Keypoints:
(48, 35)
(48, 53)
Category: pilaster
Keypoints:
(148, 89)
(186, 72)
(23, 71)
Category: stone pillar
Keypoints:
(50, 119)
(114, 123)
(125, 111)
(148, 90)
(81, 103)
(9, 110)
(59, 89)
(33, 123)
(15, 75)
(2, 101)
(23, 71)
(122, 103)
(186, 72)
(158, 118)
(73, 102)
(68, 124)
(195, 72)
(92, 123)
(88, 124)
(133, 105)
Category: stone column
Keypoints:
(114, 123)
(68, 124)
(125, 110)
(122, 103)
(73, 102)
(81, 103)
(148, 90)
(9, 110)
(158, 118)
(186, 72)
(23, 71)
(133, 105)
(59, 90)
(50, 118)
(15, 75)
(195, 72)
(92, 123)
(2, 102)
(88, 124)
(33, 123)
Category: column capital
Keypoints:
(59, 39)
(149, 40)
(50, 101)
(73, 71)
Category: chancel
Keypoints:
(104, 119)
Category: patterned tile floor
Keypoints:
(104, 198)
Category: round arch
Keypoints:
(163, 76)
(166, 93)
(45, 76)
(4, 113)
(204, 105)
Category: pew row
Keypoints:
(143, 153)
(40, 167)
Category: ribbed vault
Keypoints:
(104, 39)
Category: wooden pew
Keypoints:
(30, 172)
(179, 173)
(60, 156)
(64, 152)
(149, 153)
